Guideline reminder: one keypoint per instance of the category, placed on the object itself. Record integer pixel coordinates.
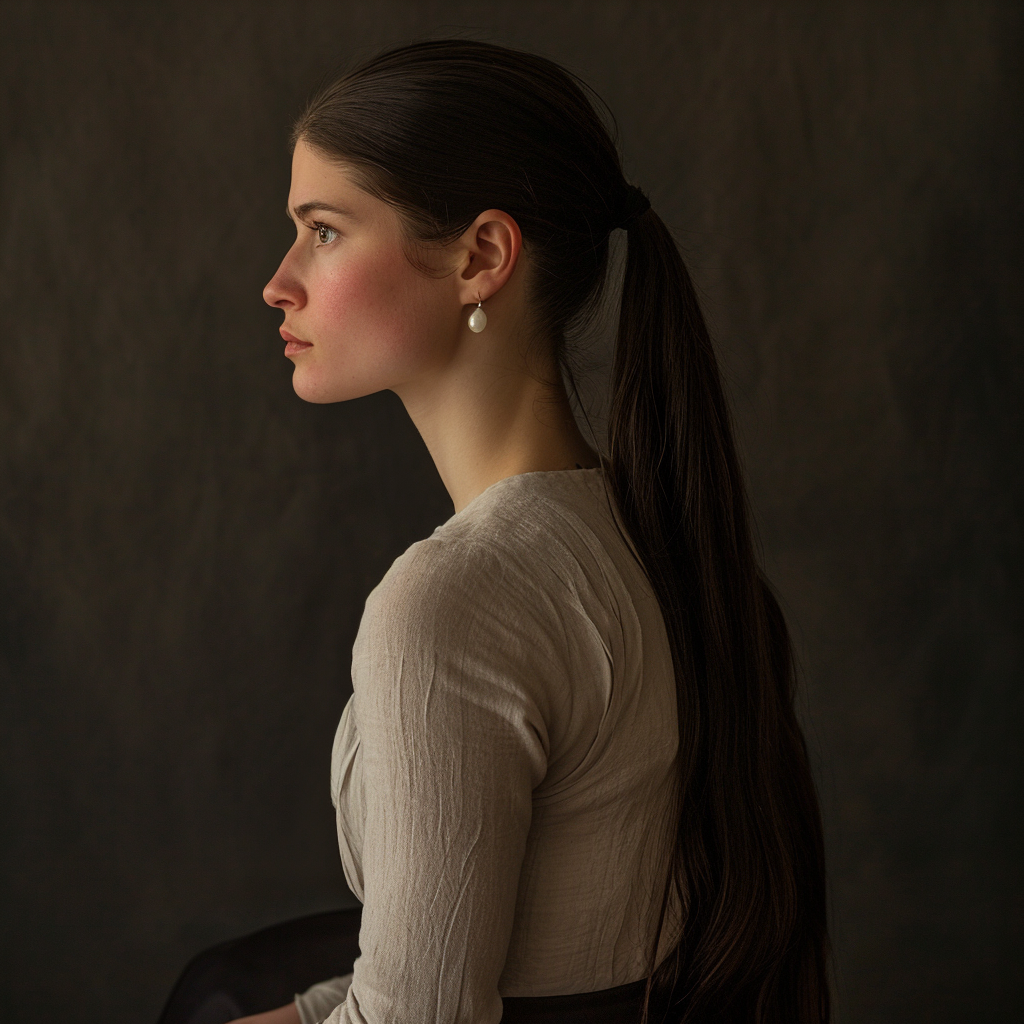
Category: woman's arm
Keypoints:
(452, 746)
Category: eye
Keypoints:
(325, 234)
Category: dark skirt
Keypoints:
(262, 971)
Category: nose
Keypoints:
(284, 290)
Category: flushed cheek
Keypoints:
(375, 314)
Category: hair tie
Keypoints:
(634, 204)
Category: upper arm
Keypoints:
(453, 740)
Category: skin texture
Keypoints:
(488, 405)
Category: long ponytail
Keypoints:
(748, 863)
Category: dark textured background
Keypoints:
(185, 546)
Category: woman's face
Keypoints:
(358, 317)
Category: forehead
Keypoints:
(311, 168)
(324, 184)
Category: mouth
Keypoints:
(294, 345)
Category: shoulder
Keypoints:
(493, 614)
(509, 542)
(500, 571)
(434, 583)
(458, 635)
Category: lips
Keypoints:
(294, 345)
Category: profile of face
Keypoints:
(359, 317)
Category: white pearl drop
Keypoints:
(477, 320)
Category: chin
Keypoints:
(310, 387)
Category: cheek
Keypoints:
(379, 307)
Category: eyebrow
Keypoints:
(316, 204)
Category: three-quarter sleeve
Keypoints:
(448, 679)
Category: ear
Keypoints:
(491, 248)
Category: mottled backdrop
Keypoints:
(185, 547)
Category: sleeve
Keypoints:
(453, 741)
(319, 1000)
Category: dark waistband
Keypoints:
(620, 1005)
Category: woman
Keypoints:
(570, 764)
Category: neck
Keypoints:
(482, 422)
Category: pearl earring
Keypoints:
(478, 319)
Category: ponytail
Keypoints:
(748, 862)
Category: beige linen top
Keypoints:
(504, 769)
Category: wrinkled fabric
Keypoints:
(504, 771)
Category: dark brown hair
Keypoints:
(445, 129)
